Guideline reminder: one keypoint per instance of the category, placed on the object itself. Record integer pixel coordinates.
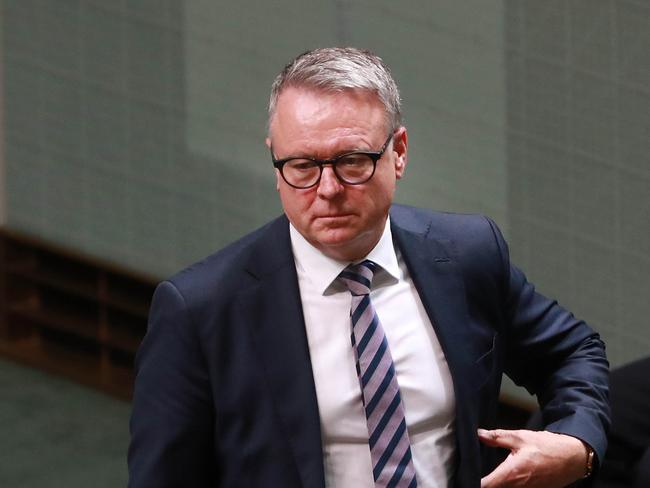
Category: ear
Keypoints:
(278, 177)
(400, 148)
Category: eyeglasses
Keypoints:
(353, 168)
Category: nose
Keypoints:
(329, 185)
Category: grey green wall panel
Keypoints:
(134, 130)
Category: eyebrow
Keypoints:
(338, 154)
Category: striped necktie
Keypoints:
(390, 449)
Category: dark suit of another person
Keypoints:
(225, 395)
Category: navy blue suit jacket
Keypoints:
(225, 396)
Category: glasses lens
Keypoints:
(301, 172)
(355, 168)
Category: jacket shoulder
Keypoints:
(233, 266)
(451, 226)
(474, 240)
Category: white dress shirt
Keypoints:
(421, 367)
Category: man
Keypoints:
(352, 342)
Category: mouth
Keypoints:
(334, 216)
(333, 220)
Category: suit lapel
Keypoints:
(435, 273)
(274, 312)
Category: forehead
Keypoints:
(309, 119)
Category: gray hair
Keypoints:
(338, 69)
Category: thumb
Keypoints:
(499, 476)
(508, 439)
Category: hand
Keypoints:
(536, 459)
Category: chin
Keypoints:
(333, 241)
(341, 244)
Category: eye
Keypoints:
(301, 164)
(353, 160)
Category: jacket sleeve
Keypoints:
(172, 418)
(557, 357)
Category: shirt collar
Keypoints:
(322, 270)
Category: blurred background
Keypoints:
(132, 145)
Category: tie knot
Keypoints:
(358, 277)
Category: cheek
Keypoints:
(382, 192)
(295, 203)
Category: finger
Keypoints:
(508, 439)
